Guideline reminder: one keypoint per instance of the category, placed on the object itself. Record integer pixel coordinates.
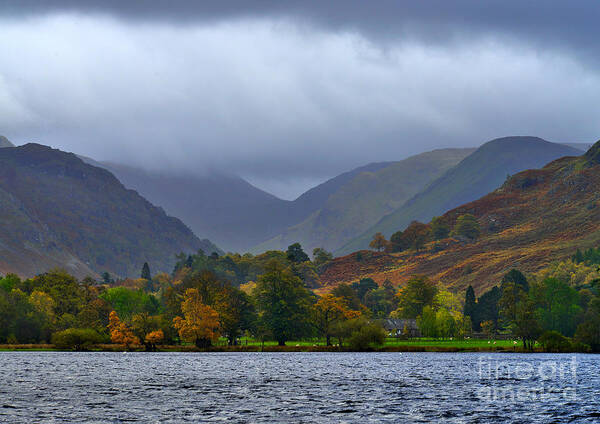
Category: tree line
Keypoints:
(270, 297)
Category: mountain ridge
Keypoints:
(478, 174)
(536, 217)
(361, 200)
(71, 214)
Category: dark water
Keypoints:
(298, 387)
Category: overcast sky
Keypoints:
(289, 93)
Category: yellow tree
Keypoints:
(153, 338)
(379, 242)
(120, 333)
(200, 324)
(328, 312)
(44, 305)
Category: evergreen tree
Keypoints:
(296, 254)
(439, 229)
(467, 226)
(517, 277)
(146, 272)
(470, 303)
(487, 308)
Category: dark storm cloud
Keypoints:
(543, 21)
(289, 92)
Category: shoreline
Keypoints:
(270, 349)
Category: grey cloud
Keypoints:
(542, 21)
(281, 103)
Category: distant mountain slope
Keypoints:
(584, 147)
(536, 217)
(360, 198)
(226, 208)
(59, 211)
(4, 142)
(481, 172)
(316, 197)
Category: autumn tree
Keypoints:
(327, 312)
(200, 323)
(120, 333)
(413, 237)
(349, 295)
(153, 338)
(379, 242)
(44, 305)
(283, 303)
(143, 324)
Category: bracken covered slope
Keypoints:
(536, 217)
(478, 174)
(57, 210)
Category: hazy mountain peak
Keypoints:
(5, 142)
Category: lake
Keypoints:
(298, 387)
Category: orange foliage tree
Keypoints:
(200, 324)
(153, 338)
(328, 312)
(379, 242)
(120, 333)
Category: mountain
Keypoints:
(59, 211)
(356, 200)
(536, 217)
(4, 142)
(226, 208)
(481, 172)
(584, 147)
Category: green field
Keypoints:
(317, 344)
(391, 342)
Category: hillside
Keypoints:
(59, 211)
(226, 208)
(534, 218)
(364, 197)
(478, 174)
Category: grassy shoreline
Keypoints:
(393, 346)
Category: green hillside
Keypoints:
(362, 200)
(478, 174)
(59, 211)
